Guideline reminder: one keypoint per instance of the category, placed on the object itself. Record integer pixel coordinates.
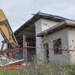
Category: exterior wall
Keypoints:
(67, 36)
(38, 40)
(45, 24)
(59, 58)
(41, 25)
(71, 39)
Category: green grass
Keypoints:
(11, 72)
(45, 69)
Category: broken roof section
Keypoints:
(61, 25)
(39, 15)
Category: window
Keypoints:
(46, 47)
(57, 45)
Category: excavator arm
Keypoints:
(9, 37)
(6, 31)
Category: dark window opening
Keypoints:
(46, 47)
(57, 45)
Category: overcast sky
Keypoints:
(19, 11)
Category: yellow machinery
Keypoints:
(9, 37)
(7, 32)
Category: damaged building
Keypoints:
(29, 34)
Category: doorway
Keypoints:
(46, 51)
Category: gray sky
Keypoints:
(19, 11)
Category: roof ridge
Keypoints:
(55, 16)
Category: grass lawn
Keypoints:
(47, 69)
(11, 72)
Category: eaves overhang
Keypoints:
(36, 17)
(61, 25)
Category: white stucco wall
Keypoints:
(71, 40)
(60, 58)
(67, 36)
(41, 25)
(45, 24)
(38, 40)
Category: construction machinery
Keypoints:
(10, 39)
(7, 32)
